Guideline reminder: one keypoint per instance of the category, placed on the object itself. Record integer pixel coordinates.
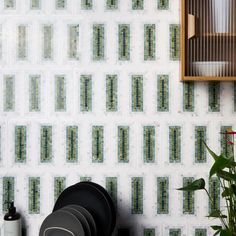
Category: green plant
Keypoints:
(224, 168)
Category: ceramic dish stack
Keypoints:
(83, 209)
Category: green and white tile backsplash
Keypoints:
(90, 90)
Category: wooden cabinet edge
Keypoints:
(182, 39)
(208, 78)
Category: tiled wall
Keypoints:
(90, 89)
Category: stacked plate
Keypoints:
(84, 209)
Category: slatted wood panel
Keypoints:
(208, 39)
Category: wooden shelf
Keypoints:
(208, 78)
(219, 35)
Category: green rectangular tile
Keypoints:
(188, 197)
(22, 42)
(72, 144)
(200, 149)
(8, 192)
(87, 4)
(123, 144)
(163, 93)
(34, 195)
(35, 4)
(61, 4)
(48, 42)
(73, 47)
(111, 187)
(59, 186)
(149, 42)
(9, 93)
(149, 232)
(149, 144)
(174, 42)
(214, 96)
(34, 93)
(20, 144)
(46, 144)
(86, 93)
(98, 42)
(85, 178)
(226, 148)
(175, 232)
(137, 4)
(112, 4)
(124, 42)
(137, 93)
(60, 93)
(97, 144)
(200, 232)
(188, 96)
(175, 144)
(214, 191)
(111, 93)
(162, 195)
(9, 4)
(163, 4)
(137, 195)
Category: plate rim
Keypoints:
(84, 184)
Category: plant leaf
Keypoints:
(216, 214)
(216, 227)
(221, 163)
(195, 185)
(225, 232)
(214, 155)
(226, 175)
(227, 192)
(233, 187)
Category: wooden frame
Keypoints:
(188, 32)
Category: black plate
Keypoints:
(104, 191)
(62, 221)
(93, 200)
(80, 217)
(88, 216)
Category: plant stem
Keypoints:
(227, 205)
(221, 217)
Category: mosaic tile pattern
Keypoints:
(90, 94)
(87, 4)
(34, 93)
(124, 42)
(111, 93)
(73, 42)
(163, 93)
(9, 93)
(123, 144)
(35, 4)
(22, 42)
(20, 143)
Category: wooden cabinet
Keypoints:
(208, 39)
